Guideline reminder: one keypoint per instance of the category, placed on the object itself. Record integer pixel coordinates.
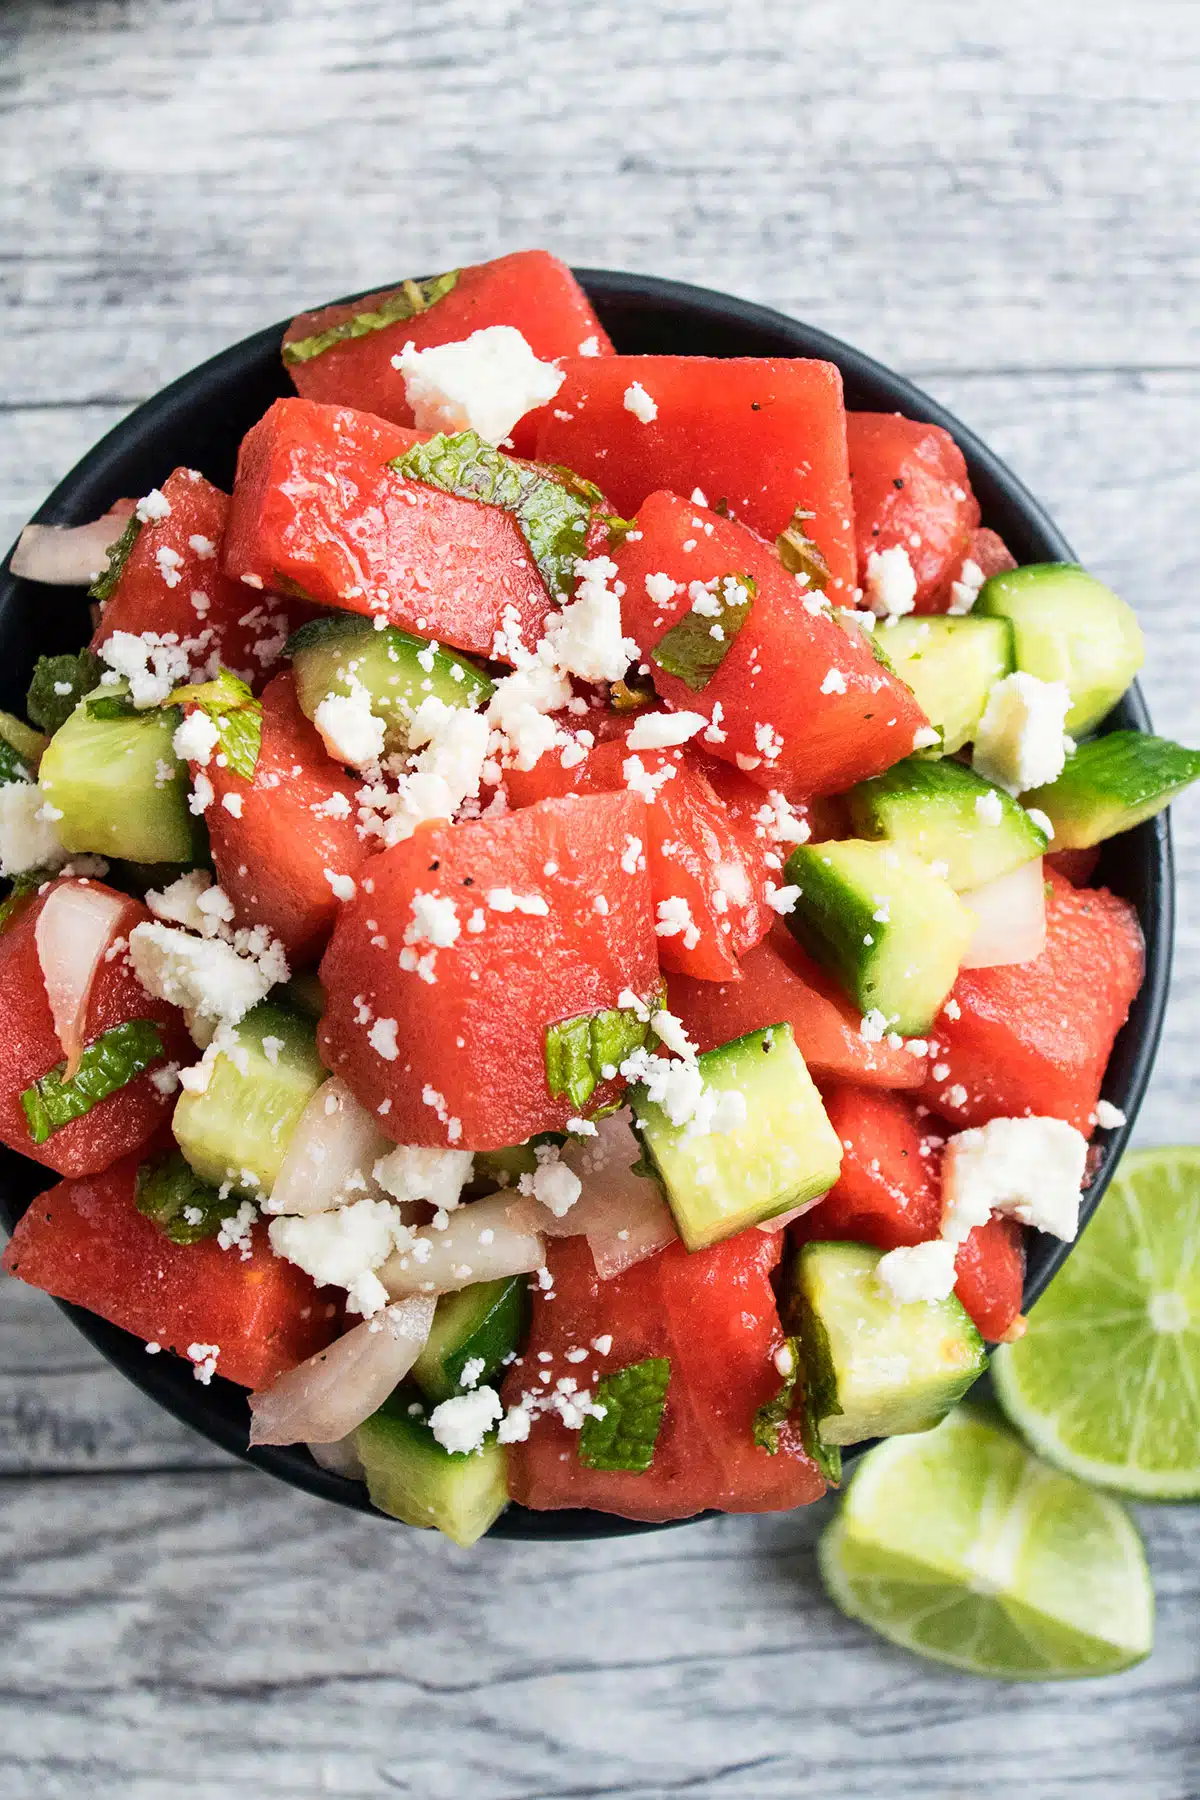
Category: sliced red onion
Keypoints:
(69, 555)
(332, 1393)
(623, 1216)
(74, 929)
(1010, 915)
(340, 1458)
(479, 1243)
(330, 1156)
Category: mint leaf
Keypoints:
(629, 696)
(553, 510)
(773, 1413)
(22, 888)
(184, 1208)
(633, 1399)
(695, 648)
(235, 712)
(110, 1062)
(78, 674)
(411, 298)
(106, 581)
(799, 555)
(579, 1049)
(12, 766)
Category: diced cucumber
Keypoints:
(239, 1128)
(874, 1367)
(950, 665)
(1068, 627)
(945, 813)
(397, 670)
(412, 1478)
(304, 994)
(784, 1153)
(484, 1323)
(885, 924)
(503, 1168)
(119, 785)
(28, 743)
(1111, 784)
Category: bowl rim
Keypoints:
(90, 486)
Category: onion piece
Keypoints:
(623, 1216)
(69, 555)
(332, 1393)
(330, 1155)
(479, 1243)
(74, 929)
(782, 1220)
(340, 1458)
(1010, 915)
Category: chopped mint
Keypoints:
(629, 696)
(77, 675)
(695, 648)
(633, 1399)
(106, 581)
(12, 766)
(411, 298)
(851, 623)
(110, 1062)
(799, 555)
(22, 887)
(28, 743)
(184, 1208)
(774, 1413)
(235, 712)
(618, 529)
(553, 510)
(578, 1050)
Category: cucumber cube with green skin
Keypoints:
(784, 1154)
(238, 1129)
(1111, 784)
(119, 786)
(946, 813)
(875, 1367)
(479, 1324)
(950, 664)
(889, 929)
(413, 1479)
(1068, 627)
(397, 669)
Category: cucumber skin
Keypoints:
(387, 667)
(1068, 627)
(120, 811)
(950, 665)
(411, 1478)
(1112, 784)
(902, 806)
(495, 1327)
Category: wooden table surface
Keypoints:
(1002, 206)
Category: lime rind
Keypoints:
(961, 1546)
(1106, 1382)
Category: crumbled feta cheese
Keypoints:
(661, 730)
(952, 1009)
(204, 976)
(661, 589)
(590, 346)
(631, 857)
(918, 1272)
(169, 564)
(638, 402)
(834, 682)
(28, 839)
(926, 737)
(675, 917)
(483, 383)
(990, 808)
(965, 591)
(516, 1423)
(343, 887)
(201, 796)
(412, 1172)
(152, 506)
(232, 804)
(203, 1358)
(639, 779)
(1019, 740)
(873, 1028)
(203, 547)
(1108, 1116)
(782, 899)
(891, 585)
(1031, 1168)
(236, 1231)
(520, 705)
(434, 921)
(670, 1031)
(585, 636)
(461, 1423)
(556, 1187)
(382, 1039)
(179, 903)
(503, 900)
(152, 664)
(338, 1246)
(350, 731)
(472, 1369)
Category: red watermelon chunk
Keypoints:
(804, 705)
(780, 985)
(30, 1048)
(1035, 1037)
(173, 584)
(282, 851)
(713, 1314)
(86, 1242)
(912, 491)
(530, 290)
(317, 512)
(463, 945)
(764, 435)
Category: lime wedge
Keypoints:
(960, 1545)
(1106, 1381)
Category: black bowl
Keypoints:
(200, 420)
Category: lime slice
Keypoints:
(1106, 1381)
(960, 1545)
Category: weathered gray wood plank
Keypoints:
(1004, 188)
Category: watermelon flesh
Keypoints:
(912, 492)
(85, 1241)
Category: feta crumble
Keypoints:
(483, 383)
(1031, 1169)
(662, 730)
(918, 1271)
(990, 808)
(1108, 1116)
(965, 591)
(28, 839)
(891, 584)
(206, 977)
(461, 1423)
(350, 731)
(412, 1172)
(638, 402)
(1019, 740)
(339, 1246)
(675, 918)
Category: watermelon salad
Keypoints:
(550, 933)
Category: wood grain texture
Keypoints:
(999, 204)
